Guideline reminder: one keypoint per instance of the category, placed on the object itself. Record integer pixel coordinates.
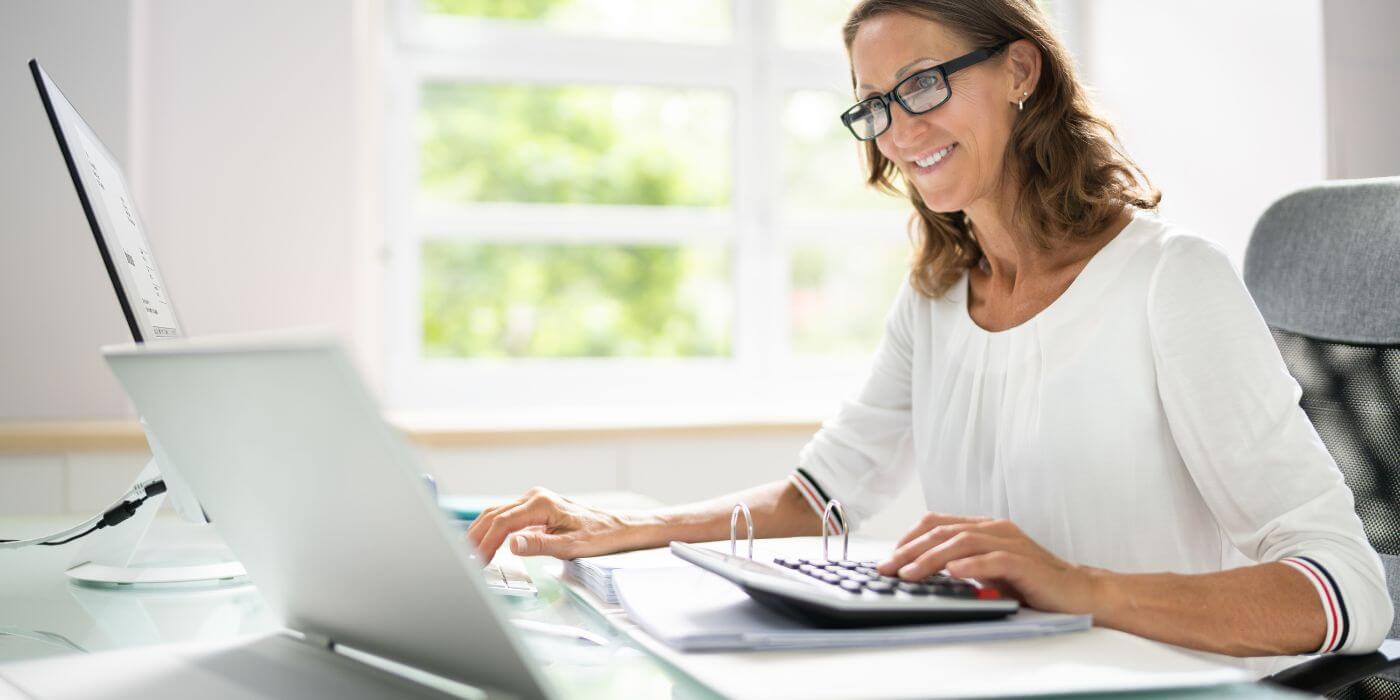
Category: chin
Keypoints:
(943, 202)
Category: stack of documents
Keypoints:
(596, 573)
(693, 610)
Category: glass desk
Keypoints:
(43, 615)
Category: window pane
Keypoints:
(672, 20)
(813, 24)
(574, 144)
(493, 300)
(822, 167)
(841, 291)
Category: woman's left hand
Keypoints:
(999, 555)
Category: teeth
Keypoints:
(931, 159)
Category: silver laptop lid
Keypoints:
(323, 502)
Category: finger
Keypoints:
(917, 546)
(1002, 570)
(964, 544)
(533, 512)
(538, 543)
(484, 520)
(933, 520)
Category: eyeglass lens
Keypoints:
(919, 93)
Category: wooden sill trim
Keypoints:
(120, 436)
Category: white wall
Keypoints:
(250, 135)
(1221, 103)
(57, 304)
(1363, 87)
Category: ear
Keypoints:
(1023, 63)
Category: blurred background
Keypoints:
(587, 244)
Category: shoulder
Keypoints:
(1183, 265)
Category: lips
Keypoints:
(928, 161)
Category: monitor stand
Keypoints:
(110, 556)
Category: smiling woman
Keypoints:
(1072, 175)
(1098, 417)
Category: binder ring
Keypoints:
(831, 505)
(734, 527)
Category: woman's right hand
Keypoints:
(543, 523)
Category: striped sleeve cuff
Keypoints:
(1335, 609)
(817, 499)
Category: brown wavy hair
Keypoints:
(1073, 173)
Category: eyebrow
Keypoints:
(899, 74)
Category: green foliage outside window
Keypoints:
(545, 300)
(574, 144)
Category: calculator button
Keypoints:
(913, 588)
(859, 578)
(830, 577)
(868, 571)
(847, 564)
(880, 587)
(852, 586)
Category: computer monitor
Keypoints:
(145, 302)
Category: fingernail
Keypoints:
(519, 544)
(906, 571)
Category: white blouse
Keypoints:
(1143, 422)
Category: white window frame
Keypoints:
(761, 374)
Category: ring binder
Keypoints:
(845, 532)
(734, 525)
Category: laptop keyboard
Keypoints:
(509, 578)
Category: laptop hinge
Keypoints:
(320, 641)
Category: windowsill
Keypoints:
(470, 429)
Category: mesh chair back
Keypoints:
(1323, 265)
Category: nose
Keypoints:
(905, 129)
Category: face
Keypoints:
(970, 130)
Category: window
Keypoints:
(628, 202)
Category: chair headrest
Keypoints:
(1325, 262)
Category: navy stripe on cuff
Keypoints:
(840, 521)
(1341, 604)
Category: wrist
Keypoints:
(640, 529)
(1109, 599)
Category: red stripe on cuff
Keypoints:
(816, 502)
(1335, 627)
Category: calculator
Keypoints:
(844, 593)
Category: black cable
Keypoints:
(114, 515)
(84, 533)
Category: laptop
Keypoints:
(324, 503)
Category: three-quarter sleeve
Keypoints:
(1257, 461)
(861, 455)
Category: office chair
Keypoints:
(1324, 267)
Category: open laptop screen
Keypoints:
(111, 212)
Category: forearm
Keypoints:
(778, 510)
(1262, 610)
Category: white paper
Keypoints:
(694, 610)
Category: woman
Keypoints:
(1087, 394)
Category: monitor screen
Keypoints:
(111, 212)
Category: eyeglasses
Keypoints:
(919, 93)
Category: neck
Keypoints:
(1009, 251)
(1006, 249)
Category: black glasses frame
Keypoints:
(943, 69)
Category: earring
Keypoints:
(1021, 103)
